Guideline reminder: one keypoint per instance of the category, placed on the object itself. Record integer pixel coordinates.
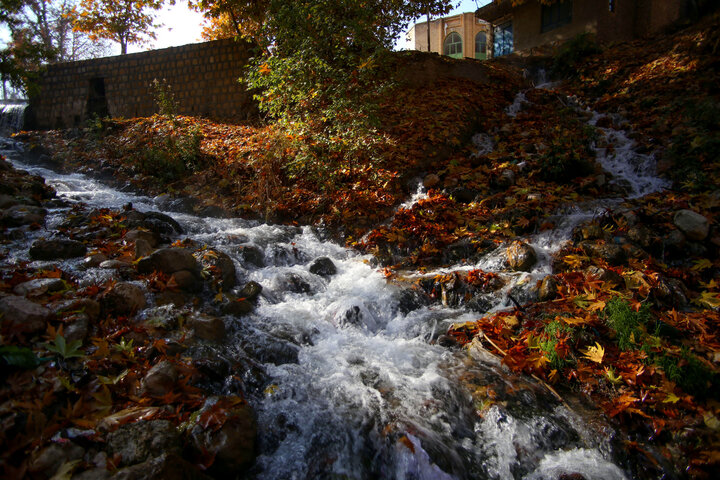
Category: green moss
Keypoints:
(689, 373)
(629, 325)
(553, 332)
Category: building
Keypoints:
(528, 25)
(458, 36)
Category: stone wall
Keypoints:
(203, 78)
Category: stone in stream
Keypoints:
(169, 261)
(94, 260)
(187, 281)
(695, 226)
(252, 255)
(19, 215)
(605, 275)
(611, 253)
(323, 266)
(48, 460)
(124, 298)
(221, 267)
(521, 256)
(38, 287)
(76, 327)
(142, 248)
(207, 327)
(233, 444)
(160, 379)
(641, 235)
(57, 248)
(137, 442)
(250, 291)
(548, 288)
(151, 238)
(18, 314)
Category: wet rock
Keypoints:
(605, 275)
(671, 292)
(87, 306)
(411, 299)
(592, 231)
(187, 281)
(695, 249)
(252, 255)
(481, 303)
(447, 341)
(115, 265)
(166, 466)
(20, 315)
(142, 248)
(160, 379)
(237, 306)
(124, 298)
(39, 286)
(611, 253)
(161, 224)
(695, 226)
(76, 327)
(151, 238)
(169, 297)
(7, 201)
(674, 241)
(221, 267)
(137, 442)
(169, 261)
(19, 215)
(51, 458)
(521, 256)
(233, 444)
(640, 235)
(94, 260)
(99, 473)
(548, 288)
(324, 267)
(56, 249)
(431, 181)
(250, 291)
(214, 211)
(207, 328)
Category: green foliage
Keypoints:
(569, 155)
(173, 155)
(572, 52)
(21, 357)
(628, 324)
(164, 97)
(553, 332)
(64, 349)
(689, 373)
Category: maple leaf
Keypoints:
(702, 264)
(595, 353)
(709, 299)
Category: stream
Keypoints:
(343, 371)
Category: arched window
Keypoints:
(481, 46)
(453, 45)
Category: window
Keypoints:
(611, 6)
(556, 15)
(481, 46)
(453, 45)
(503, 44)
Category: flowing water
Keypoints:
(351, 383)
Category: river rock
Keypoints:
(47, 462)
(169, 261)
(38, 287)
(94, 260)
(142, 248)
(168, 297)
(19, 215)
(252, 255)
(23, 316)
(151, 238)
(233, 444)
(640, 235)
(695, 226)
(160, 379)
(591, 231)
(548, 288)
(82, 305)
(431, 181)
(521, 256)
(251, 291)
(671, 292)
(220, 266)
(124, 298)
(611, 253)
(187, 281)
(137, 442)
(161, 224)
(207, 328)
(76, 327)
(56, 249)
(605, 275)
(237, 306)
(115, 264)
(166, 466)
(324, 267)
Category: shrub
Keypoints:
(572, 52)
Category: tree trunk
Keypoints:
(123, 47)
(428, 27)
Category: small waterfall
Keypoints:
(12, 116)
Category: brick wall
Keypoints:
(203, 78)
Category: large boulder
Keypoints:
(21, 315)
(57, 248)
(140, 441)
(169, 261)
(521, 256)
(220, 266)
(38, 287)
(695, 226)
(124, 298)
(19, 215)
(323, 266)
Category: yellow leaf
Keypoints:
(595, 353)
(709, 299)
(702, 264)
(671, 398)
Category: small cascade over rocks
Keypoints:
(12, 116)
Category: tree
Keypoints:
(122, 21)
(232, 18)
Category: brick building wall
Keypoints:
(203, 78)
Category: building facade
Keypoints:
(458, 36)
(529, 25)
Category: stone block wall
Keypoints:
(203, 78)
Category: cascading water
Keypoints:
(350, 382)
(12, 117)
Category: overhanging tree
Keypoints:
(121, 21)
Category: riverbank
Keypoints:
(621, 313)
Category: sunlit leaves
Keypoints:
(595, 353)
